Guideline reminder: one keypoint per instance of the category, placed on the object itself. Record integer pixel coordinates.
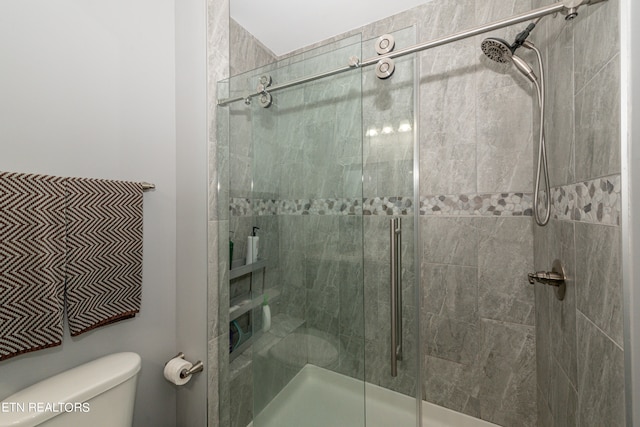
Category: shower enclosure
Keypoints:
(325, 171)
(394, 218)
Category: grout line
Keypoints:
(573, 386)
(599, 329)
(596, 74)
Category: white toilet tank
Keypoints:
(100, 393)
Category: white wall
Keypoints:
(191, 160)
(87, 88)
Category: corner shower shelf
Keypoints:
(243, 304)
(243, 270)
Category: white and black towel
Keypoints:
(32, 262)
(104, 252)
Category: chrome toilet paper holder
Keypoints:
(197, 367)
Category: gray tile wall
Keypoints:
(478, 313)
(477, 331)
(483, 338)
(579, 340)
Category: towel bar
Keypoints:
(146, 186)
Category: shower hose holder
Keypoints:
(556, 278)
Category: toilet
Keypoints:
(100, 393)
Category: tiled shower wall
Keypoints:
(580, 355)
(478, 323)
(476, 171)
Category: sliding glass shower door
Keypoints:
(317, 173)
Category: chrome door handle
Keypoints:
(395, 259)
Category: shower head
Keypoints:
(497, 50)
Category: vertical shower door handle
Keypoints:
(395, 259)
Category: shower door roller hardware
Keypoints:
(265, 100)
(556, 278)
(264, 97)
(395, 258)
(385, 68)
(354, 61)
(385, 44)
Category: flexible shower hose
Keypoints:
(542, 152)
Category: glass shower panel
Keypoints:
(318, 175)
(389, 193)
(304, 172)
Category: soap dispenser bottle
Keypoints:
(252, 246)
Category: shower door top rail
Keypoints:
(568, 8)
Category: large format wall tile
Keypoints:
(598, 124)
(449, 290)
(449, 240)
(600, 378)
(451, 385)
(507, 374)
(447, 119)
(596, 31)
(599, 277)
(563, 398)
(505, 256)
(562, 314)
(504, 139)
(559, 124)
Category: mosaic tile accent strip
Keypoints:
(261, 207)
(503, 204)
(388, 206)
(596, 201)
(337, 206)
(240, 207)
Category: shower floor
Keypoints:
(317, 397)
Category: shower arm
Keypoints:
(568, 8)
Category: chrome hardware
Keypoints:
(571, 14)
(266, 80)
(552, 9)
(385, 68)
(265, 100)
(264, 97)
(556, 278)
(146, 186)
(385, 44)
(354, 61)
(395, 255)
(197, 367)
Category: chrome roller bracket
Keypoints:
(385, 68)
(385, 44)
(264, 98)
(556, 278)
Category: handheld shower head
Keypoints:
(497, 50)
(524, 68)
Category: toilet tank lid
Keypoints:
(76, 385)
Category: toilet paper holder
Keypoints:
(197, 367)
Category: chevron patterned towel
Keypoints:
(104, 252)
(32, 260)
